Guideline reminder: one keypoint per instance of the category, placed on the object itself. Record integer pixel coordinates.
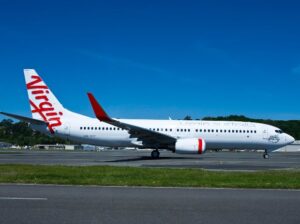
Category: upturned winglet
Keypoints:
(98, 110)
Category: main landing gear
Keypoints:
(155, 154)
(266, 155)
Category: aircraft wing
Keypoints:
(26, 119)
(146, 136)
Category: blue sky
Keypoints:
(154, 59)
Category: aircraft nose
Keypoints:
(290, 139)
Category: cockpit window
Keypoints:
(279, 131)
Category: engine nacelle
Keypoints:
(190, 146)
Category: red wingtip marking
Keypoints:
(98, 110)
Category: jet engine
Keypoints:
(190, 146)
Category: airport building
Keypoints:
(295, 147)
(58, 147)
(5, 145)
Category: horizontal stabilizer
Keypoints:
(25, 119)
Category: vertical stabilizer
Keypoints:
(44, 105)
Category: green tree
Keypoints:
(20, 133)
(188, 117)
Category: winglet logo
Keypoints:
(41, 103)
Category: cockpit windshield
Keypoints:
(279, 131)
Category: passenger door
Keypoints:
(265, 134)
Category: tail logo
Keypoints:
(42, 106)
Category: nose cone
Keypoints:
(289, 139)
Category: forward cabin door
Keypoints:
(265, 133)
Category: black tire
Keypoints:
(266, 156)
(155, 154)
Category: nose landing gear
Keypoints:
(155, 154)
(266, 155)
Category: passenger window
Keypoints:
(196, 130)
(171, 130)
(200, 130)
(216, 130)
(208, 130)
(204, 130)
(228, 131)
(84, 128)
(212, 130)
(254, 131)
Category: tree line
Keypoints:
(19, 133)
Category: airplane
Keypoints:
(49, 116)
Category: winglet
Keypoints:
(98, 110)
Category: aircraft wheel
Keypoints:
(266, 156)
(155, 154)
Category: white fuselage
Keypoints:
(181, 136)
(217, 134)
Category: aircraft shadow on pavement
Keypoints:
(145, 158)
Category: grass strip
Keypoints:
(130, 176)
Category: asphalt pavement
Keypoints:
(81, 204)
(245, 161)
